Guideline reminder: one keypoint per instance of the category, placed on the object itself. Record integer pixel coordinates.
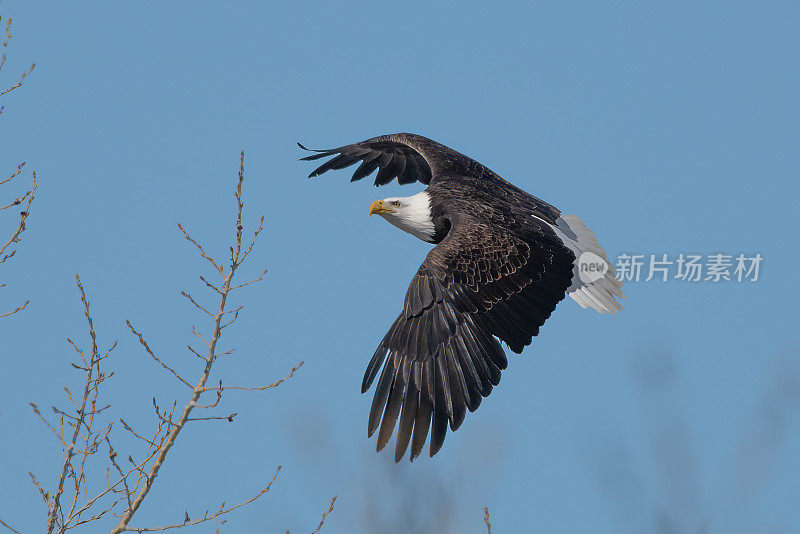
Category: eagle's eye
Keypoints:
(396, 203)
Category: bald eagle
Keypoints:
(503, 259)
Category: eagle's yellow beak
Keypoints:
(378, 207)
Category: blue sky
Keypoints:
(667, 128)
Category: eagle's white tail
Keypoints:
(599, 294)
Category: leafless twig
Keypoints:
(156, 358)
(223, 510)
(258, 388)
(86, 412)
(9, 527)
(17, 309)
(8, 245)
(325, 515)
(6, 40)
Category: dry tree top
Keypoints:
(86, 429)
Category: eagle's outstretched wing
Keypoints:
(408, 157)
(441, 355)
(414, 158)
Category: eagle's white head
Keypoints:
(410, 214)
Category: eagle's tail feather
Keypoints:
(602, 294)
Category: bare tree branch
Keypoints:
(14, 174)
(325, 515)
(17, 309)
(9, 527)
(200, 248)
(156, 358)
(258, 388)
(223, 510)
(93, 377)
(8, 248)
(6, 40)
(15, 235)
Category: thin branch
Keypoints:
(486, 520)
(14, 174)
(156, 358)
(5, 44)
(325, 515)
(9, 527)
(255, 280)
(18, 309)
(213, 517)
(200, 248)
(46, 422)
(132, 431)
(259, 388)
(44, 494)
(6, 40)
(200, 336)
(166, 418)
(255, 237)
(188, 296)
(228, 418)
(19, 83)
(112, 457)
(16, 202)
(87, 390)
(15, 235)
(235, 316)
(210, 285)
(215, 403)
(196, 353)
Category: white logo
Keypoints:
(591, 267)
